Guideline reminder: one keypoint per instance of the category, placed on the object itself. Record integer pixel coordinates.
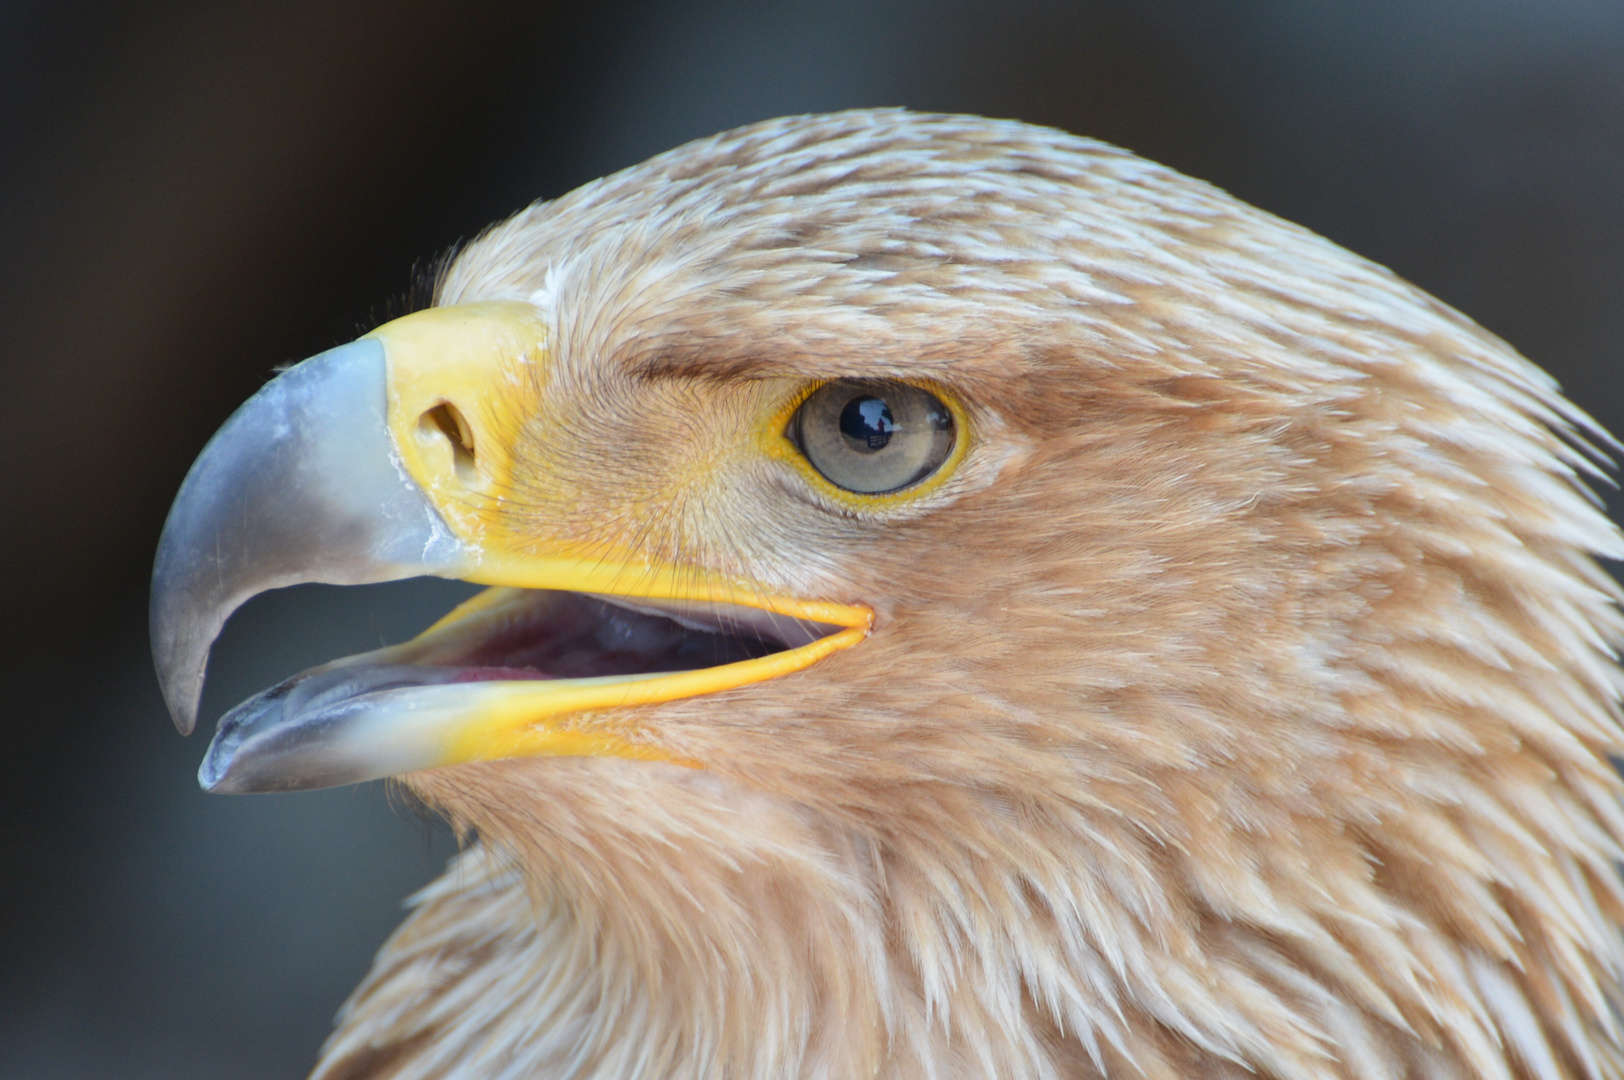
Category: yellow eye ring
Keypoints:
(914, 411)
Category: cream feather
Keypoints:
(1241, 707)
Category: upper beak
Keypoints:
(301, 484)
(367, 463)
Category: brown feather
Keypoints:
(1242, 706)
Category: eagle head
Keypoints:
(965, 601)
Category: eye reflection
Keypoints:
(871, 436)
(867, 423)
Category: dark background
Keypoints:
(192, 193)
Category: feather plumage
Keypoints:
(1241, 707)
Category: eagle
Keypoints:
(964, 601)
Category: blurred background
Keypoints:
(193, 193)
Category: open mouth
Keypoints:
(366, 464)
(477, 683)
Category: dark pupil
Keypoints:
(867, 422)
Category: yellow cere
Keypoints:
(461, 380)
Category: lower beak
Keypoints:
(307, 482)
(437, 700)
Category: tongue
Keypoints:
(497, 674)
(572, 636)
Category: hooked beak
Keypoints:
(302, 484)
(368, 463)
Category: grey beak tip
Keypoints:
(184, 713)
(180, 677)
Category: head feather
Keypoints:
(1242, 706)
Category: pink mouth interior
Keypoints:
(563, 635)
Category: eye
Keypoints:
(870, 436)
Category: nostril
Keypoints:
(448, 420)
